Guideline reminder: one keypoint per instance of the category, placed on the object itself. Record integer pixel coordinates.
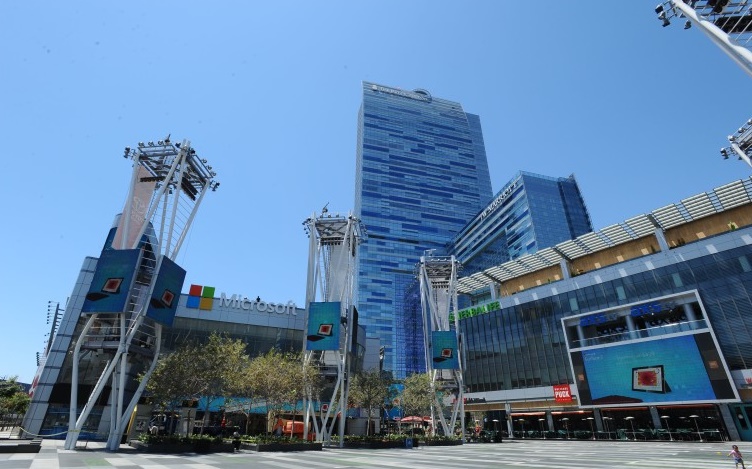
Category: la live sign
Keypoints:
(562, 393)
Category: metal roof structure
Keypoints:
(690, 209)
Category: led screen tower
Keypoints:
(331, 318)
(438, 290)
(136, 284)
(421, 175)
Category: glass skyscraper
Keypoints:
(421, 175)
(529, 213)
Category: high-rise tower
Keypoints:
(531, 212)
(421, 175)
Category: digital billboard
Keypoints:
(164, 298)
(444, 346)
(323, 325)
(678, 369)
(112, 281)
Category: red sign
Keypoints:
(561, 393)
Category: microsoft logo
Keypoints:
(200, 297)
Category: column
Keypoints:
(691, 316)
(655, 417)
(661, 239)
(633, 332)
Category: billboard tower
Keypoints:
(331, 318)
(729, 25)
(136, 284)
(443, 344)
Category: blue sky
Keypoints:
(268, 92)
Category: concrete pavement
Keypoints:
(542, 454)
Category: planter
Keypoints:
(269, 447)
(441, 442)
(381, 444)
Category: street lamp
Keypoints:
(668, 428)
(592, 430)
(541, 426)
(522, 423)
(605, 423)
(631, 421)
(566, 425)
(695, 417)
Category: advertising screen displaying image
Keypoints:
(445, 350)
(163, 304)
(112, 280)
(323, 325)
(680, 369)
(648, 379)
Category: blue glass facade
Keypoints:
(530, 213)
(421, 175)
(655, 301)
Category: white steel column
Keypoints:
(438, 289)
(169, 180)
(333, 242)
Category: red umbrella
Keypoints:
(412, 419)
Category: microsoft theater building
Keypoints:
(642, 330)
(261, 323)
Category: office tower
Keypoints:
(421, 175)
(529, 213)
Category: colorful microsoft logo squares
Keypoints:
(200, 297)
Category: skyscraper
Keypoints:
(529, 213)
(421, 175)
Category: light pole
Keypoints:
(605, 423)
(592, 430)
(522, 423)
(697, 426)
(566, 425)
(53, 319)
(668, 428)
(543, 432)
(631, 421)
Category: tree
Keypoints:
(196, 371)
(269, 381)
(371, 390)
(14, 401)
(418, 395)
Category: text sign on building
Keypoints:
(562, 393)
(202, 297)
(475, 310)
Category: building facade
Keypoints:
(262, 324)
(641, 329)
(529, 213)
(421, 175)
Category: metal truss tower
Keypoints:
(168, 183)
(729, 25)
(332, 255)
(438, 292)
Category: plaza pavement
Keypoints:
(542, 454)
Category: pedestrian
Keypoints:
(279, 426)
(235, 442)
(737, 455)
